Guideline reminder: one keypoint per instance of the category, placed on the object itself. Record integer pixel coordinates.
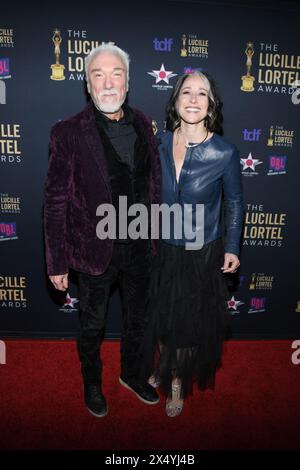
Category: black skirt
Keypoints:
(187, 316)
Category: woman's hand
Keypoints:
(231, 263)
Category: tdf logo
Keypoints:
(252, 136)
(163, 45)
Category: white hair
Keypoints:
(112, 49)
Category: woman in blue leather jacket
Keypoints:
(201, 175)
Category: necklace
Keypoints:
(191, 144)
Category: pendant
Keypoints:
(190, 145)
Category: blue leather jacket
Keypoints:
(210, 171)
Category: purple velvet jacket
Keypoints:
(77, 182)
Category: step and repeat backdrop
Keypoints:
(252, 52)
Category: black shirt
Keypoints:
(121, 134)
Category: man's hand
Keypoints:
(60, 282)
(231, 263)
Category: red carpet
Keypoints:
(256, 404)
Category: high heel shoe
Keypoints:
(174, 409)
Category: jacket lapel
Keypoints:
(93, 142)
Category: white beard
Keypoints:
(108, 107)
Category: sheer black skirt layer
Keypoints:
(187, 316)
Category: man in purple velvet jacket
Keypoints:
(106, 151)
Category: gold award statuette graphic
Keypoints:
(252, 283)
(298, 306)
(57, 68)
(183, 52)
(248, 79)
(270, 139)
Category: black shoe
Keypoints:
(95, 400)
(143, 391)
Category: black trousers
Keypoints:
(130, 268)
